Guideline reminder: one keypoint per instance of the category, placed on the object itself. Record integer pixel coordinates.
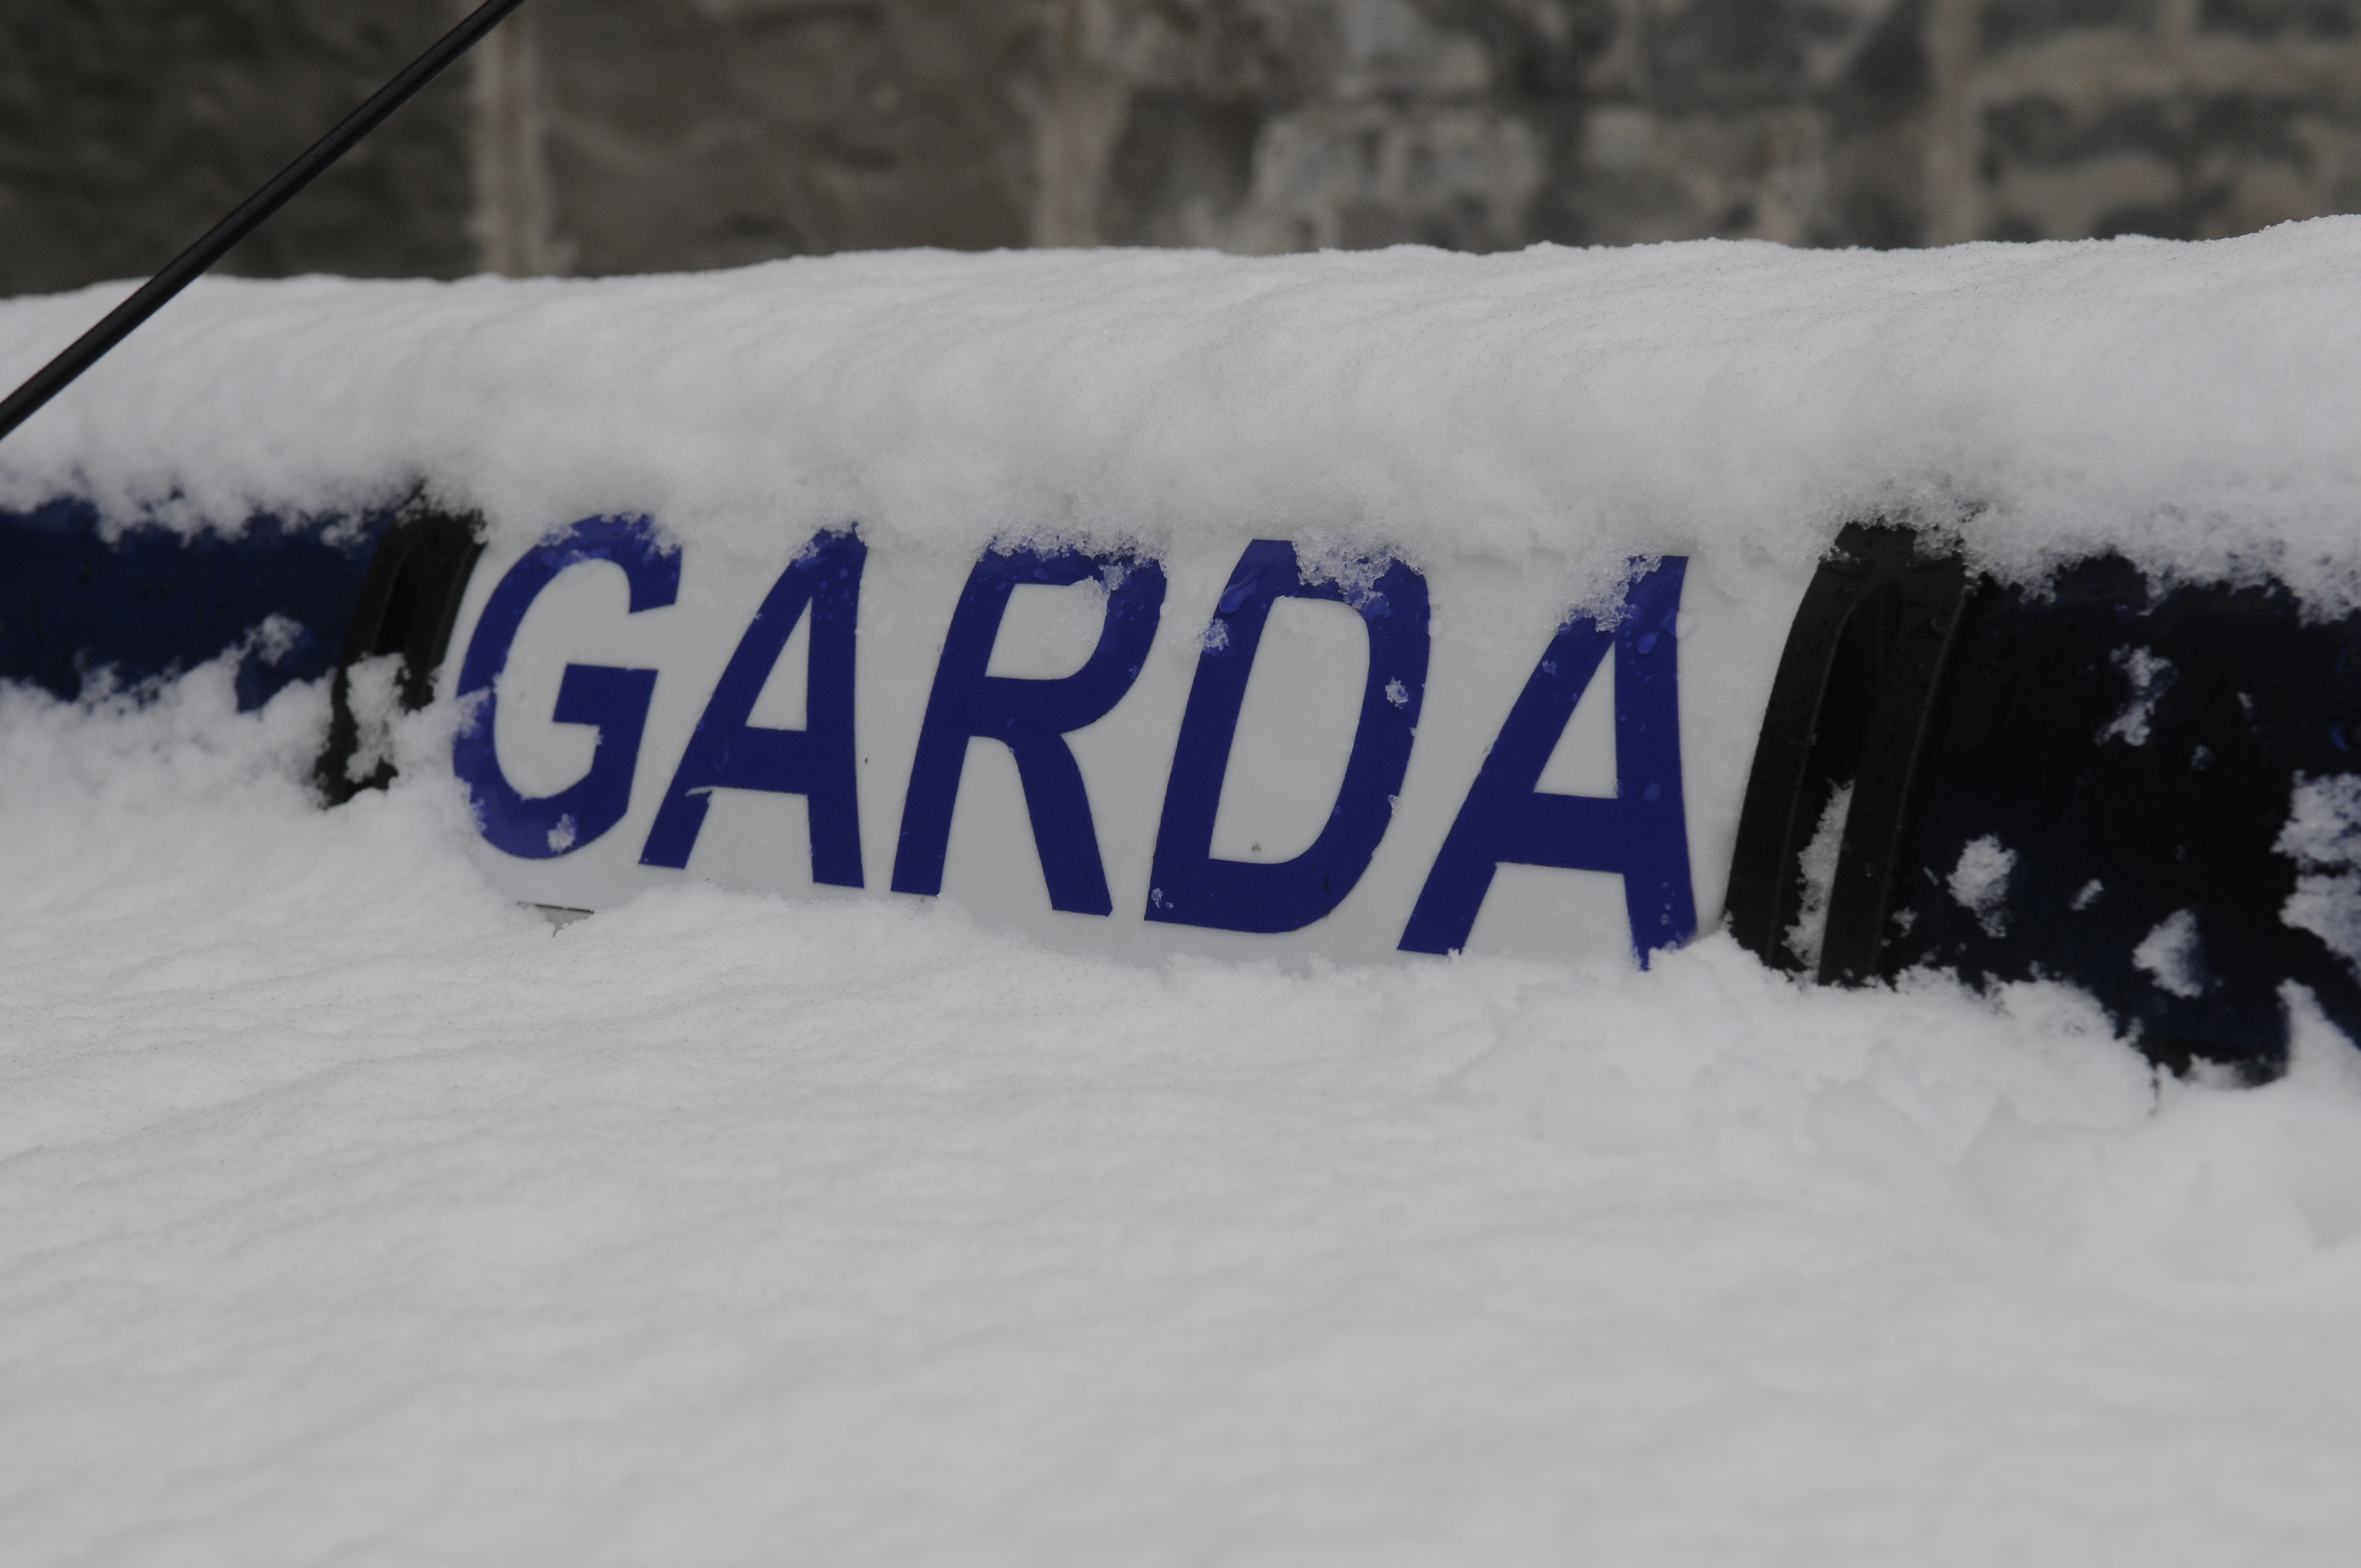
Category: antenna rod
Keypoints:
(194, 262)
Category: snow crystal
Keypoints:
(2323, 836)
(2173, 955)
(1978, 883)
(1818, 865)
(273, 640)
(373, 694)
(2151, 676)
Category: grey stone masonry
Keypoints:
(2186, 118)
(617, 135)
(128, 127)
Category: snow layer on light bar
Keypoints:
(2190, 405)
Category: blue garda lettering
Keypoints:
(1031, 717)
(1189, 886)
(818, 761)
(1640, 833)
(613, 701)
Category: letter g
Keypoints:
(614, 701)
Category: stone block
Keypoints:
(685, 134)
(2280, 20)
(128, 128)
(2014, 25)
(2180, 166)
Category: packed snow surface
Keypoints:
(350, 1214)
(2192, 404)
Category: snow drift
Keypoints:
(354, 1214)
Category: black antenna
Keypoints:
(194, 262)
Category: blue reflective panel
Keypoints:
(154, 602)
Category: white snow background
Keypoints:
(350, 1214)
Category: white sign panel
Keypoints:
(1222, 754)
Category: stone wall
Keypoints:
(128, 127)
(611, 135)
(2188, 118)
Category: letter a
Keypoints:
(1640, 833)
